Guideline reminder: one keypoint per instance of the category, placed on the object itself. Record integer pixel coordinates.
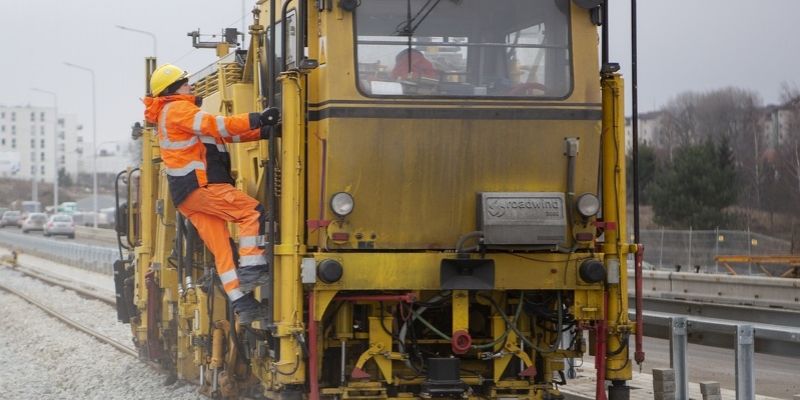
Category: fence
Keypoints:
(664, 249)
(667, 249)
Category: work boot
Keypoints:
(252, 276)
(249, 309)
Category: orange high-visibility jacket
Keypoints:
(193, 141)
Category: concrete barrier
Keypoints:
(725, 289)
(103, 235)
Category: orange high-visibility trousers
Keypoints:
(210, 208)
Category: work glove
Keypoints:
(271, 116)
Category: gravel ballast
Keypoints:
(45, 359)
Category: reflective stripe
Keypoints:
(179, 145)
(198, 120)
(210, 140)
(251, 241)
(235, 139)
(186, 169)
(247, 261)
(221, 126)
(165, 143)
(235, 294)
(163, 120)
(228, 276)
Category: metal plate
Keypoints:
(522, 218)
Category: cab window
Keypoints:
(464, 48)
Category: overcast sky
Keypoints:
(684, 45)
(702, 45)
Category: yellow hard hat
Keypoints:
(164, 76)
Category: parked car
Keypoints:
(60, 224)
(11, 218)
(34, 222)
(68, 207)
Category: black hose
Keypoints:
(179, 249)
(635, 122)
(296, 367)
(116, 222)
(210, 307)
(271, 197)
(513, 326)
(271, 62)
(301, 32)
(604, 37)
(128, 238)
(284, 28)
(384, 326)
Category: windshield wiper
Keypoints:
(410, 25)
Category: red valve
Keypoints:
(461, 342)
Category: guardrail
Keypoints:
(714, 303)
(775, 339)
(744, 344)
(93, 258)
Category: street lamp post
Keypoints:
(94, 140)
(153, 36)
(35, 165)
(55, 145)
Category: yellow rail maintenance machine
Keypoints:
(446, 207)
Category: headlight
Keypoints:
(588, 205)
(342, 204)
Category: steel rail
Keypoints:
(110, 300)
(66, 320)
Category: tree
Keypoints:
(696, 186)
(63, 178)
(647, 170)
(788, 150)
(733, 114)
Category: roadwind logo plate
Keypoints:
(523, 218)
(524, 208)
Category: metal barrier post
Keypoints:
(745, 378)
(716, 250)
(749, 252)
(678, 342)
(661, 252)
(691, 264)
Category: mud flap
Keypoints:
(125, 308)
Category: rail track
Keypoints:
(77, 288)
(82, 291)
(87, 292)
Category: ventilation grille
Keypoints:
(209, 84)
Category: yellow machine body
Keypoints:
(416, 287)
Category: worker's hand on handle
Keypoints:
(271, 116)
(270, 119)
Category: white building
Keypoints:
(71, 145)
(648, 124)
(33, 143)
(113, 157)
(776, 124)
